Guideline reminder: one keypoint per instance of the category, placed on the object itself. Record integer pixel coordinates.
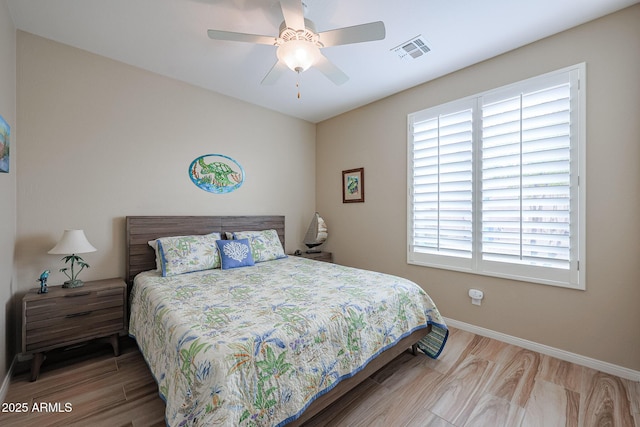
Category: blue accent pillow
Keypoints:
(235, 253)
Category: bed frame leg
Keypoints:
(414, 349)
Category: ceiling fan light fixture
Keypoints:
(299, 55)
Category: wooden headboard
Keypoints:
(140, 229)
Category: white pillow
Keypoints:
(184, 254)
(265, 244)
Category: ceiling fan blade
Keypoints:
(293, 13)
(274, 74)
(356, 34)
(240, 37)
(332, 72)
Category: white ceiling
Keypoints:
(169, 37)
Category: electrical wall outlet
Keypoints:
(476, 296)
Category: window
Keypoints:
(496, 185)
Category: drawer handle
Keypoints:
(77, 295)
(84, 313)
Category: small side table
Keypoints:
(318, 256)
(66, 316)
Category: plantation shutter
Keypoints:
(526, 178)
(442, 184)
(496, 182)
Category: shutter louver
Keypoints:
(442, 185)
(526, 179)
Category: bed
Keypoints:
(271, 343)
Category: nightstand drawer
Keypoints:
(74, 327)
(73, 303)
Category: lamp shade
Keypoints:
(298, 54)
(72, 242)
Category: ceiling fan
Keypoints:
(299, 45)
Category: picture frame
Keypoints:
(5, 132)
(353, 186)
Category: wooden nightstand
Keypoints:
(63, 317)
(318, 256)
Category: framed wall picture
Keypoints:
(5, 131)
(353, 185)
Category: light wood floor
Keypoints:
(476, 382)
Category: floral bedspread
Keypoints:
(254, 346)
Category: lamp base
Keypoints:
(73, 284)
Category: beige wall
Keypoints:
(7, 187)
(601, 322)
(102, 140)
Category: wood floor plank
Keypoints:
(551, 405)
(489, 349)
(413, 374)
(494, 411)
(560, 372)
(413, 391)
(86, 400)
(514, 379)
(477, 381)
(453, 396)
(328, 415)
(137, 388)
(605, 400)
(427, 419)
(369, 403)
(22, 388)
(633, 388)
(399, 363)
(132, 411)
(457, 348)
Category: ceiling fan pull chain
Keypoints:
(298, 84)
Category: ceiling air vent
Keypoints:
(412, 49)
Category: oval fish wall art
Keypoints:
(216, 173)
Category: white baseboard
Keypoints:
(598, 365)
(7, 380)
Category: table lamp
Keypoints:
(73, 242)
